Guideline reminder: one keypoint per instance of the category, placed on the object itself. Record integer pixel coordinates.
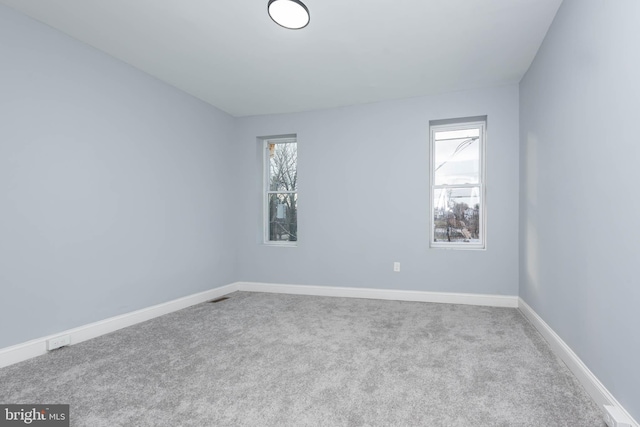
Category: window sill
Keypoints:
(459, 247)
(281, 244)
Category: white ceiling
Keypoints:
(230, 54)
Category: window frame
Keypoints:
(266, 192)
(453, 125)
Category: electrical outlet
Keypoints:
(58, 342)
(614, 417)
(396, 267)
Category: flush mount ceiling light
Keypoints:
(292, 14)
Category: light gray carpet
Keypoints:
(284, 360)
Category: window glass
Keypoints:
(457, 185)
(281, 191)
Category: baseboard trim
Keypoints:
(593, 386)
(38, 347)
(383, 294)
(589, 381)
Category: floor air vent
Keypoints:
(213, 301)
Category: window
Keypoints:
(281, 191)
(457, 184)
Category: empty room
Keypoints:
(319, 213)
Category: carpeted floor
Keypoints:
(285, 360)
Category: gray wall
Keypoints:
(580, 237)
(364, 197)
(113, 186)
(120, 192)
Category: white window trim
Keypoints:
(483, 187)
(266, 191)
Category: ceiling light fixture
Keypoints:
(292, 14)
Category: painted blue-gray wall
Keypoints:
(364, 197)
(113, 185)
(580, 238)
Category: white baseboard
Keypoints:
(37, 347)
(589, 381)
(593, 386)
(383, 294)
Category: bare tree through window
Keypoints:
(282, 190)
(457, 186)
